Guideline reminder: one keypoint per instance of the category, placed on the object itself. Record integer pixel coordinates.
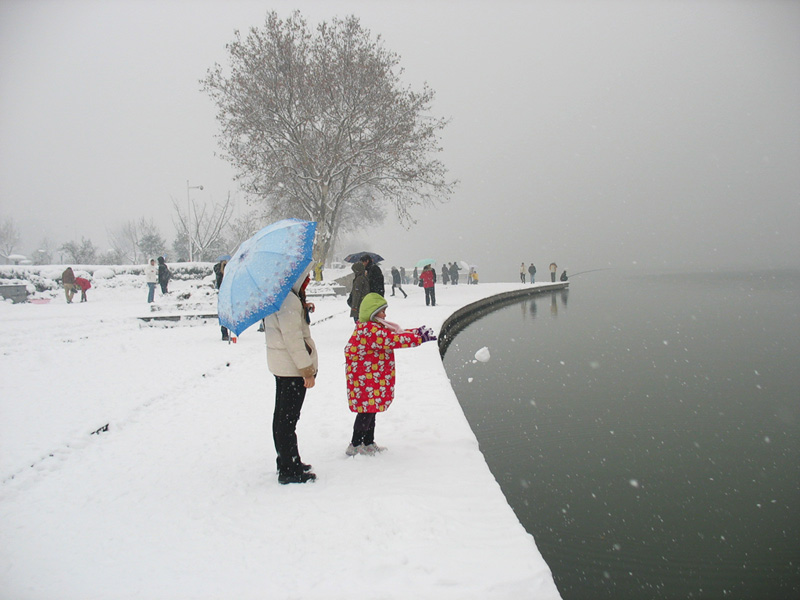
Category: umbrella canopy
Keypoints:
(464, 265)
(356, 256)
(223, 257)
(426, 261)
(262, 271)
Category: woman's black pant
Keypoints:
(430, 296)
(364, 429)
(289, 395)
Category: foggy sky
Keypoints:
(593, 134)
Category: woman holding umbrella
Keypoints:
(266, 279)
(292, 358)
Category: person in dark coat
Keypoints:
(68, 281)
(397, 282)
(454, 273)
(219, 273)
(564, 275)
(374, 276)
(416, 276)
(359, 290)
(164, 274)
(532, 271)
(445, 275)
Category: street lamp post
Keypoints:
(188, 217)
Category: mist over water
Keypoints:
(646, 430)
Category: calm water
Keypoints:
(646, 431)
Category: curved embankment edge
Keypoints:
(474, 311)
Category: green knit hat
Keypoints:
(370, 305)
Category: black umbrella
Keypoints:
(356, 256)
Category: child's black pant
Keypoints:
(364, 429)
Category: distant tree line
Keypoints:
(212, 230)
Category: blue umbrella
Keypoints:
(426, 261)
(262, 271)
(223, 257)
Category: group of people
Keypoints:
(450, 273)
(72, 283)
(531, 270)
(156, 274)
(369, 365)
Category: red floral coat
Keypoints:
(369, 365)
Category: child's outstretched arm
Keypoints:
(404, 339)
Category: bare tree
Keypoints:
(204, 229)
(9, 237)
(319, 127)
(244, 226)
(125, 241)
(84, 253)
(43, 255)
(134, 241)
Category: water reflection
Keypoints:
(528, 306)
(648, 437)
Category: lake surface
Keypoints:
(646, 430)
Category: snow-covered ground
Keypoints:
(178, 497)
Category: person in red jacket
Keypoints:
(84, 285)
(370, 368)
(428, 277)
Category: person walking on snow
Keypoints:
(164, 274)
(428, 278)
(370, 368)
(532, 271)
(445, 275)
(151, 277)
(219, 275)
(454, 273)
(374, 275)
(68, 281)
(522, 273)
(82, 284)
(359, 290)
(292, 359)
(397, 282)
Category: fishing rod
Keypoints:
(589, 271)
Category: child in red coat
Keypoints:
(370, 368)
(84, 285)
